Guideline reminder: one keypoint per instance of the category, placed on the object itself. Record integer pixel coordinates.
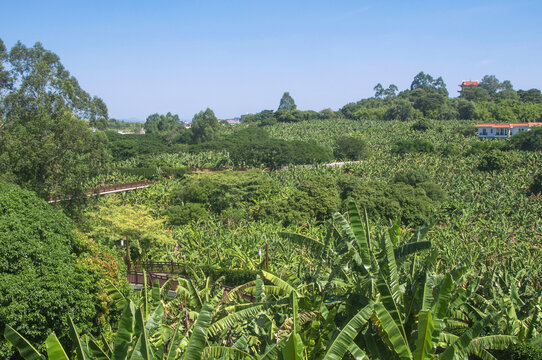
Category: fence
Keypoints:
(138, 278)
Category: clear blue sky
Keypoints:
(238, 57)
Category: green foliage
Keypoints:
(412, 177)
(350, 148)
(315, 197)
(402, 147)
(41, 282)
(287, 102)
(187, 213)
(494, 160)
(519, 351)
(51, 154)
(205, 126)
(112, 222)
(130, 145)
(421, 125)
(411, 203)
(536, 185)
(224, 190)
(401, 110)
(528, 140)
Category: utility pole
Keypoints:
(128, 252)
(267, 256)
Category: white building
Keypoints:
(503, 130)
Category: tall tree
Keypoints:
(39, 80)
(287, 102)
(427, 82)
(205, 126)
(44, 144)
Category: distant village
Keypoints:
(187, 124)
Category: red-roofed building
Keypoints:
(469, 83)
(503, 130)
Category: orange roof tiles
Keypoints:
(469, 83)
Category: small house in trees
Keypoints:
(503, 130)
(467, 83)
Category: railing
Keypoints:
(138, 278)
(108, 189)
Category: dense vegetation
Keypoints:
(427, 245)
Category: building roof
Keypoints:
(469, 83)
(509, 125)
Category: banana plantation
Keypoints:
(411, 253)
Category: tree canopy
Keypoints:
(40, 281)
(287, 102)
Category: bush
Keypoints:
(421, 125)
(400, 200)
(411, 177)
(350, 148)
(492, 161)
(187, 213)
(130, 145)
(527, 140)
(41, 283)
(223, 190)
(412, 146)
(519, 351)
(313, 198)
(536, 185)
(450, 150)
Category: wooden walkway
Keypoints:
(111, 189)
(167, 271)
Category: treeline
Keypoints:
(427, 97)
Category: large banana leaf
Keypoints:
(393, 331)
(80, 347)
(459, 347)
(314, 246)
(55, 351)
(96, 351)
(174, 342)
(196, 344)
(345, 339)
(361, 234)
(27, 351)
(293, 349)
(288, 289)
(440, 308)
(235, 318)
(124, 333)
(216, 352)
(425, 344)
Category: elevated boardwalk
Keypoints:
(167, 271)
(111, 189)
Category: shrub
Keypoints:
(41, 283)
(350, 148)
(411, 204)
(536, 185)
(411, 177)
(450, 150)
(527, 140)
(412, 146)
(187, 213)
(421, 125)
(492, 161)
(223, 190)
(519, 351)
(313, 198)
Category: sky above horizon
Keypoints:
(238, 57)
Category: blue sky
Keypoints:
(237, 57)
